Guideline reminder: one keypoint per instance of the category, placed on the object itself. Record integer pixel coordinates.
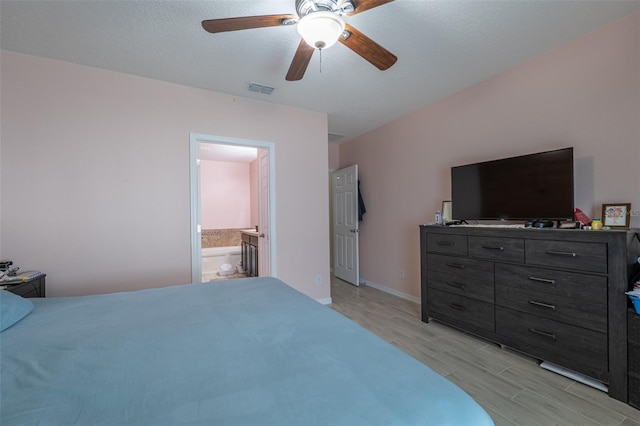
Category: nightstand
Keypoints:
(633, 342)
(31, 288)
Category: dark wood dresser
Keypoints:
(633, 331)
(555, 294)
(32, 288)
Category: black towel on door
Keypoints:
(361, 208)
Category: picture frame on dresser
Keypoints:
(616, 216)
(447, 214)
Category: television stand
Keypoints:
(554, 294)
(457, 222)
(543, 223)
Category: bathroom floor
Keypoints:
(216, 277)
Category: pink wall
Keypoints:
(585, 94)
(95, 175)
(226, 195)
(334, 156)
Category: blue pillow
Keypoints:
(12, 309)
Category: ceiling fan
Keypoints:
(320, 24)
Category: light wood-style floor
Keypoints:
(509, 385)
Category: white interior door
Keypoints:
(346, 264)
(264, 258)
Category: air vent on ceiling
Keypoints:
(334, 137)
(261, 88)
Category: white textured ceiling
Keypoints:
(442, 47)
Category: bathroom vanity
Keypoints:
(250, 252)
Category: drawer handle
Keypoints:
(544, 333)
(456, 306)
(493, 248)
(444, 243)
(561, 253)
(455, 265)
(542, 305)
(456, 284)
(543, 280)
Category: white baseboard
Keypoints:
(326, 301)
(391, 291)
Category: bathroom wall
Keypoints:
(225, 195)
(230, 201)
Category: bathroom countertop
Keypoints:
(251, 232)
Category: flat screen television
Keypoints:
(528, 187)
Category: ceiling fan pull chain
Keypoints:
(320, 60)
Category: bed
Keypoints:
(245, 351)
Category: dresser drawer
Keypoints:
(473, 288)
(634, 358)
(590, 257)
(634, 391)
(590, 315)
(447, 244)
(581, 287)
(443, 305)
(585, 351)
(27, 289)
(505, 249)
(471, 268)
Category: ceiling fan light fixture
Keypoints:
(322, 29)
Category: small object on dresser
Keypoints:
(635, 299)
(5, 264)
(29, 275)
(20, 278)
(570, 225)
(634, 295)
(581, 217)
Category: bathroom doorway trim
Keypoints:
(194, 168)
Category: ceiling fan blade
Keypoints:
(377, 55)
(363, 5)
(300, 61)
(247, 22)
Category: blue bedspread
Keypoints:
(244, 351)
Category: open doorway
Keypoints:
(229, 213)
(231, 198)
